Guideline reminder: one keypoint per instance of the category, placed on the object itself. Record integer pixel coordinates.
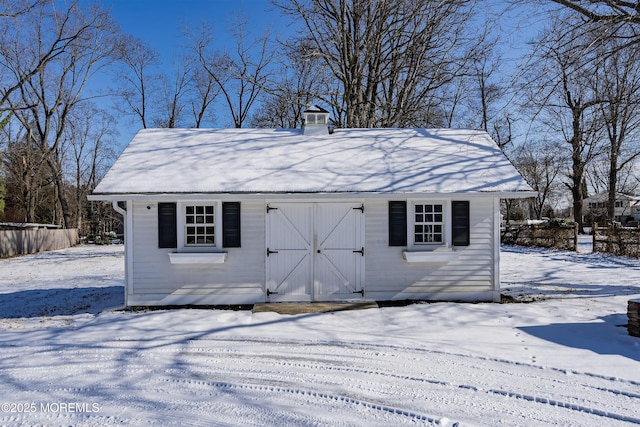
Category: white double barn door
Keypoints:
(315, 251)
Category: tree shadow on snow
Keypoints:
(60, 302)
(552, 281)
(607, 337)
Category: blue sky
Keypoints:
(160, 22)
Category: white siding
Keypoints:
(241, 279)
(237, 281)
(390, 277)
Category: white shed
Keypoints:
(241, 216)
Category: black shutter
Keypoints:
(231, 224)
(460, 221)
(397, 223)
(167, 229)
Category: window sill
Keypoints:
(197, 257)
(434, 256)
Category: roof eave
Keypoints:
(108, 197)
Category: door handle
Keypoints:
(361, 252)
(269, 252)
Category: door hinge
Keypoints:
(361, 208)
(361, 292)
(361, 252)
(269, 252)
(269, 293)
(269, 209)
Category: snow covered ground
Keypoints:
(562, 358)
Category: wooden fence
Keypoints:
(548, 234)
(617, 240)
(20, 242)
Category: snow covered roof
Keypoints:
(604, 195)
(285, 160)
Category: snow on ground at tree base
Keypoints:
(562, 358)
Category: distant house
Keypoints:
(627, 207)
(240, 216)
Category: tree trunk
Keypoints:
(613, 183)
(62, 199)
(577, 177)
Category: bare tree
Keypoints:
(617, 82)
(16, 18)
(564, 101)
(203, 92)
(89, 140)
(609, 11)
(240, 75)
(299, 82)
(540, 166)
(26, 175)
(138, 78)
(620, 17)
(44, 100)
(14, 8)
(481, 92)
(3, 188)
(173, 95)
(389, 58)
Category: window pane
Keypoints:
(428, 224)
(201, 215)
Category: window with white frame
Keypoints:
(428, 223)
(425, 225)
(196, 226)
(199, 224)
(316, 119)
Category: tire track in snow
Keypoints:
(163, 348)
(287, 363)
(349, 401)
(506, 393)
(169, 345)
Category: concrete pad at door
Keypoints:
(313, 307)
